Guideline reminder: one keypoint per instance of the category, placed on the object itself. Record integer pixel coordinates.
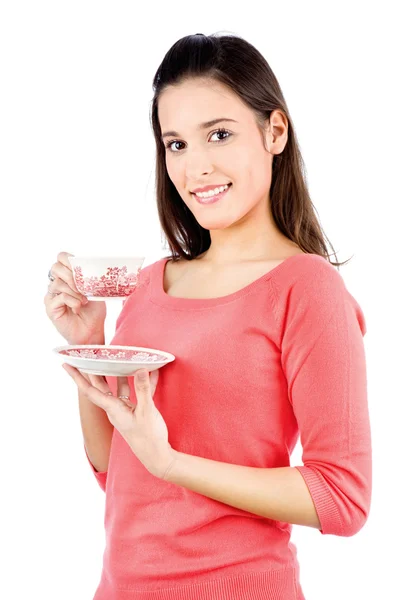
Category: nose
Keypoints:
(198, 164)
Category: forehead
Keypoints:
(184, 106)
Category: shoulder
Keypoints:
(312, 293)
(310, 272)
(309, 288)
(309, 261)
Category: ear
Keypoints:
(276, 132)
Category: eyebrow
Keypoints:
(205, 125)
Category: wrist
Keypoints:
(174, 457)
(96, 340)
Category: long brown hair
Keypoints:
(234, 62)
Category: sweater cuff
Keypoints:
(325, 506)
(101, 476)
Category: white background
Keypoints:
(77, 174)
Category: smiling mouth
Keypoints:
(212, 199)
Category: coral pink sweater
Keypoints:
(281, 358)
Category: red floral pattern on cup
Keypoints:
(116, 355)
(116, 282)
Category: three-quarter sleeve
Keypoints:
(323, 358)
(101, 476)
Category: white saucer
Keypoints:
(114, 361)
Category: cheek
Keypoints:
(242, 165)
(255, 171)
(174, 173)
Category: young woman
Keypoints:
(195, 458)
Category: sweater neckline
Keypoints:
(160, 297)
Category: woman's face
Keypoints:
(198, 157)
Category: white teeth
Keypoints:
(212, 192)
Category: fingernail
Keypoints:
(85, 300)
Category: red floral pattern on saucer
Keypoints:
(116, 355)
(113, 360)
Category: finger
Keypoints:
(142, 387)
(154, 380)
(62, 257)
(99, 382)
(95, 395)
(63, 271)
(123, 389)
(58, 285)
(59, 301)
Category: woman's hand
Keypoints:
(141, 425)
(78, 320)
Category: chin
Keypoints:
(215, 224)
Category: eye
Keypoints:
(221, 131)
(168, 146)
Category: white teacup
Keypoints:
(104, 278)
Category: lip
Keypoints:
(212, 199)
(207, 188)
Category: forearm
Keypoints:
(280, 494)
(97, 432)
(96, 428)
